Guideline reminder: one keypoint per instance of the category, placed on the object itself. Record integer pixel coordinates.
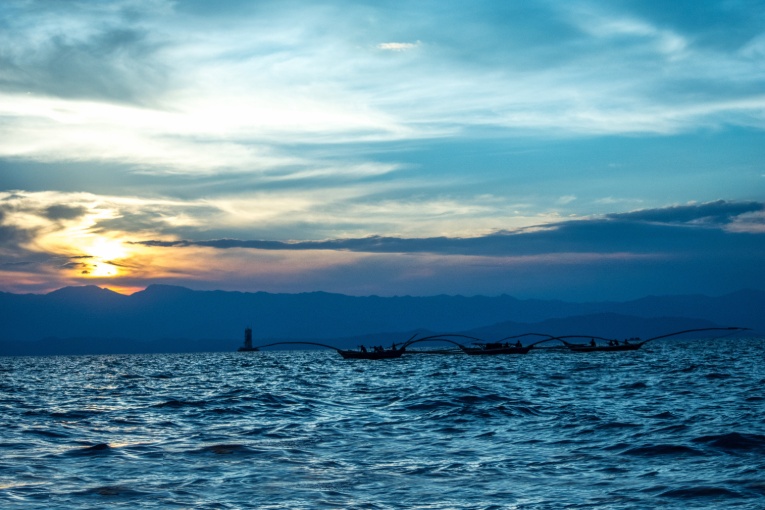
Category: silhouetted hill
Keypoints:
(742, 307)
(164, 317)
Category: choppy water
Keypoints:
(676, 425)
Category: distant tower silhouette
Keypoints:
(248, 338)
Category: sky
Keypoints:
(581, 150)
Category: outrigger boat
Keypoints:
(616, 346)
(504, 347)
(362, 353)
(365, 354)
(376, 352)
(482, 349)
(611, 347)
(490, 349)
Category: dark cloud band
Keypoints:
(667, 229)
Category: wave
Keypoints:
(112, 491)
(313, 431)
(224, 449)
(96, 449)
(734, 441)
(662, 449)
(701, 492)
(173, 403)
(718, 375)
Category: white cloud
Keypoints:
(752, 223)
(398, 46)
(236, 92)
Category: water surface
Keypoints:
(674, 425)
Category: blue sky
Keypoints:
(576, 150)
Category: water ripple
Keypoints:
(676, 425)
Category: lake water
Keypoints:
(677, 424)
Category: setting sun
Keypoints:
(106, 249)
(102, 254)
(101, 270)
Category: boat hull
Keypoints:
(371, 354)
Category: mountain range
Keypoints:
(165, 318)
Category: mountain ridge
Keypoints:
(163, 312)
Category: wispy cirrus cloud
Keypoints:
(194, 94)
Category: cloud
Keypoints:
(128, 243)
(664, 230)
(602, 24)
(64, 212)
(375, 131)
(11, 236)
(609, 257)
(398, 46)
(712, 213)
(751, 222)
(169, 88)
(99, 52)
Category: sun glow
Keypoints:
(104, 270)
(102, 253)
(106, 249)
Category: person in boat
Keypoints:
(362, 348)
(393, 347)
(592, 342)
(518, 344)
(626, 341)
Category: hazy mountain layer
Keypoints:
(162, 318)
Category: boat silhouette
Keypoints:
(361, 353)
(366, 354)
(630, 344)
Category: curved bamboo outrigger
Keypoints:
(443, 337)
(731, 328)
(513, 337)
(486, 348)
(298, 343)
(627, 346)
